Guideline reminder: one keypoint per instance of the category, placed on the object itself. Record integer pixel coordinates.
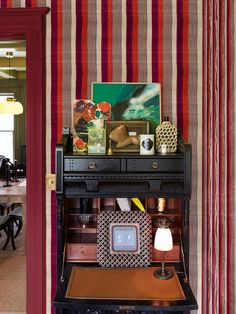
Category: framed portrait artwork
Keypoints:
(131, 101)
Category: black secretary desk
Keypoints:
(88, 185)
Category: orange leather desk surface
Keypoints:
(122, 284)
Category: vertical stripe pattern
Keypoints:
(218, 181)
(188, 46)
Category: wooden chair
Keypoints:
(16, 217)
(6, 224)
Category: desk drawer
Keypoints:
(92, 165)
(155, 165)
(81, 252)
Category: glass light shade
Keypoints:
(163, 239)
(10, 106)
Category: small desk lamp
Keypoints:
(163, 242)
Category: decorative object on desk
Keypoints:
(124, 204)
(146, 144)
(84, 220)
(124, 135)
(109, 152)
(163, 149)
(80, 141)
(96, 141)
(10, 105)
(138, 203)
(121, 137)
(131, 101)
(124, 239)
(161, 204)
(166, 134)
(163, 242)
(85, 114)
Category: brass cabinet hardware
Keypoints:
(155, 165)
(91, 165)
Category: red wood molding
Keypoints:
(28, 24)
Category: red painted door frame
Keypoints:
(28, 24)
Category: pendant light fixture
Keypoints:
(10, 105)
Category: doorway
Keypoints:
(12, 144)
(28, 23)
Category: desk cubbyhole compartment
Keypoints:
(81, 216)
(172, 212)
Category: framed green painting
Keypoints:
(131, 101)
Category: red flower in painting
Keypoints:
(104, 106)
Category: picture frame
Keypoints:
(96, 141)
(134, 128)
(130, 245)
(131, 101)
(124, 238)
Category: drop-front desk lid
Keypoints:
(117, 289)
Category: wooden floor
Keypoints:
(12, 277)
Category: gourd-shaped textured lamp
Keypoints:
(163, 242)
(166, 136)
(10, 105)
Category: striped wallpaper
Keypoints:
(187, 46)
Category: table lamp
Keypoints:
(163, 242)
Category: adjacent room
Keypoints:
(13, 175)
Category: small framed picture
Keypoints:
(124, 238)
(96, 141)
(124, 136)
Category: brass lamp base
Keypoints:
(163, 274)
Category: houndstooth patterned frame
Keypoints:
(108, 258)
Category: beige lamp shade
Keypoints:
(163, 240)
(10, 106)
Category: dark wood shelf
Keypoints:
(166, 212)
(82, 238)
(76, 211)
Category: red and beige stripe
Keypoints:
(168, 61)
(117, 44)
(142, 41)
(81, 48)
(106, 47)
(157, 41)
(218, 188)
(92, 52)
(182, 66)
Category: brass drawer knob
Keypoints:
(91, 165)
(155, 165)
